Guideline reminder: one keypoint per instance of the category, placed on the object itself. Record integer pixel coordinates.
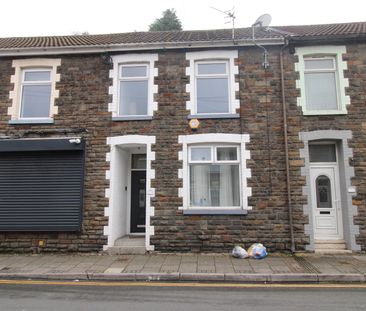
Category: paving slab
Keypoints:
(223, 264)
(241, 265)
(277, 268)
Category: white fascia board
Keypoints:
(135, 47)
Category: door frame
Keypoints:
(346, 173)
(129, 188)
(337, 198)
(117, 178)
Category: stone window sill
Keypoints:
(215, 116)
(215, 212)
(324, 113)
(32, 121)
(132, 118)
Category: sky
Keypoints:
(50, 17)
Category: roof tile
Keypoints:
(217, 35)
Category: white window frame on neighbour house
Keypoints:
(133, 60)
(317, 53)
(212, 57)
(25, 83)
(214, 142)
(22, 67)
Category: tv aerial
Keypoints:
(229, 14)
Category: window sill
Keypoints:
(215, 212)
(132, 118)
(324, 113)
(32, 121)
(215, 116)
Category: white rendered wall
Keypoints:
(117, 176)
(117, 215)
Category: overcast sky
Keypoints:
(51, 17)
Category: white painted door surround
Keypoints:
(118, 174)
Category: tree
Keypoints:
(169, 21)
(82, 33)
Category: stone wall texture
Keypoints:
(83, 111)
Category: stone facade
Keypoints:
(83, 111)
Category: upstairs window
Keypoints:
(35, 93)
(321, 90)
(212, 87)
(133, 89)
(321, 80)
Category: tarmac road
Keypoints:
(42, 296)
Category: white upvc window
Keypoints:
(35, 95)
(134, 90)
(33, 98)
(212, 87)
(214, 176)
(214, 173)
(322, 83)
(133, 87)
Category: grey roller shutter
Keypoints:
(41, 190)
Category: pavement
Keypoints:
(276, 268)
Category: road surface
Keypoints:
(44, 296)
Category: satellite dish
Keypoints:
(263, 21)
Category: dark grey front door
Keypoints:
(138, 201)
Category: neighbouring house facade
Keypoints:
(184, 141)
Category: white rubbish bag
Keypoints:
(239, 252)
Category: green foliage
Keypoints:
(82, 33)
(169, 21)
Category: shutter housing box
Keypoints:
(41, 184)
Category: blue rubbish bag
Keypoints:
(257, 251)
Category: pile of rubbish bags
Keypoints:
(256, 251)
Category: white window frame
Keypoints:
(324, 70)
(24, 83)
(198, 147)
(129, 79)
(214, 161)
(323, 52)
(31, 64)
(227, 161)
(212, 76)
(115, 73)
(216, 141)
(208, 57)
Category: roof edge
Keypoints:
(135, 47)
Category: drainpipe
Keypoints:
(284, 110)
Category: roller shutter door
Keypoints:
(41, 190)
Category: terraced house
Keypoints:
(187, 141)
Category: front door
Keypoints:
(326, 203)
(138, 201)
